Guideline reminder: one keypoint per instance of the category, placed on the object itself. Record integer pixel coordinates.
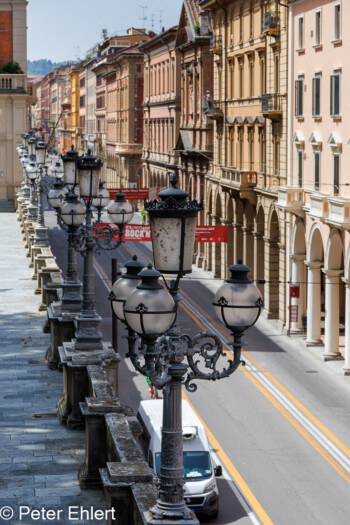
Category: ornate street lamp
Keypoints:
(101, 201)
(41, 232)
(32, 175)
(72, 211)
(57, 170)
(32, 142)
(70, 167)
(56, 194)
(173, 222)
(25, 137)
(150, 311)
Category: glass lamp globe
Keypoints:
(25, 137)
(57, 170)
(24, 160)
(70, 166)
(123, 287)
(120, 211)
(150, 310)
(103, 197)
(173, 224)
(32, 171)
(238, 301)
(88, 175)
(40, 152)
(56, 195)
(72, 210)
(31, 146)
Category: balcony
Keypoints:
(215, 112)
(291, 200)
(272, 23)
(339, 212)
(12, 83)
(242, 180)
(128, 149)
(216, 45)
(271, 106)
(317, 205)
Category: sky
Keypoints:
(65, 30)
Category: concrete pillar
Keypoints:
(346, 367)
(248, 249)
(313, 332)
(272, 277)
(298, 277)
(259, 260)
(237, 242)
(331, 350)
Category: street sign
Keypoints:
(211, 234)
(130, 193)
(140, 232)
(294, 313)
(294, 290)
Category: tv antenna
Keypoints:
(160, 20)
(143, 17)
(152, 21)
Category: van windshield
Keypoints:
(197, 465)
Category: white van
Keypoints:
(201, 491)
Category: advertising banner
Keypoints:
(139, 232)
(135, 194)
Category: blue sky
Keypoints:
(65, 30)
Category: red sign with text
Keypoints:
(131, 194)
(139, 232)
(211, 234)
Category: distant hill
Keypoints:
(42, 66)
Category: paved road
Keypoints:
(279, 426)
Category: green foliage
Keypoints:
(42, 66)
(197, 28)
(11, 67)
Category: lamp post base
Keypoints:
(159, 515)
(88, 335)
(41, 236)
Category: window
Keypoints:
(82, 82)
(251, 149)
(277, 73)
(232, 79)
(241, 24)
(262, 76)
(317, 170)
(240, 94)
(300, 168)
(251, 20)
(335, 94)
(336, 163)
(299, 87)
(251, 78)
(300, 33)
(276, 155)
(82, 101)
(262, 149)
(232, 146)
(337, 21)
(316, 96)
(318, 28)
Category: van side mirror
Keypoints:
(218, 471)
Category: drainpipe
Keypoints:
(289, 151)
(224, 145)
(148, 109)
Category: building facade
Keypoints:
(13, 92)
(161, 115)
(250, 138)
(317, 194)
(195, 140)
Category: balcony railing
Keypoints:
(291, 199)
(215, 112)
(128, 149)
(271, 105)
(13, 83)
(271, 23)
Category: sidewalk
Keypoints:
(39, 458)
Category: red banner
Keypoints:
(211, 234)
(135, 194)
(139, 232)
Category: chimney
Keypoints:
(204, 23)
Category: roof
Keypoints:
(152, 41)
(132, 50)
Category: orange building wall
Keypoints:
(6, 49)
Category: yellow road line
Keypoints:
(282, 389)
(242, 485)
(300, 428)
(308, 414)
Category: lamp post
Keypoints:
(32, 174)
(41, 238)
(150, 311)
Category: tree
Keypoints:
(12, 67)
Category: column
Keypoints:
(248, 249)
(298, 278)
(237, 241)
(259, 260)
(313, 332)
(331, 350)
(346, 367)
